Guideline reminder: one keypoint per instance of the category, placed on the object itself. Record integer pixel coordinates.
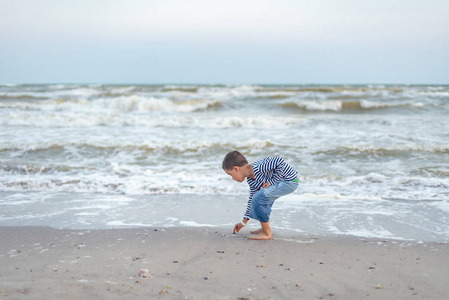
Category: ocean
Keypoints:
(372, 159)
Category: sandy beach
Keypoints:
(209, 263)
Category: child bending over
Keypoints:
(268, 179)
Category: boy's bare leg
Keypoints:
(265, 234)
(256, 231)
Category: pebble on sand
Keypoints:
(144, 273)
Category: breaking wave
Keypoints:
(56, 119)
(118, 104)
(396, 150)
(347, 106)
(171, 147)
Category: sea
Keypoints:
(373, 160)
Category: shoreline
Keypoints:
(292, 216)
(210, 263)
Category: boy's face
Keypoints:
(236, 174)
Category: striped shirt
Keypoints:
(271, 170)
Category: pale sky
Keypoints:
(227, 41)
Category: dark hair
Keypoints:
(233, 158)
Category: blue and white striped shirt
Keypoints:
(271, 170)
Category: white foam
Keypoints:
(195, 224)
(131, 179)
(133, 103)
(123, 223)
(371, 104)
(321, 105)
(76, 119)
(87, 214)
(165, 146)
(370, 233)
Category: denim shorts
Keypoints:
(264, 198)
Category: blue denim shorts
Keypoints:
(264, 198)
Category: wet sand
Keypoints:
(208, 263)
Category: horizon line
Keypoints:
(214, 84)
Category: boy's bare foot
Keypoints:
(262, 236)
(256, 231)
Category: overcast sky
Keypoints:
(227, 41)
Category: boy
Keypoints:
(268, 179)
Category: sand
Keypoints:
(209, 263)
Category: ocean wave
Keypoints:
(76, 119)
(184, 89)
(392, 96)
(178, 98)
(118, 179)
(65, 90)
(298, 89)
(376, 186)
(117, 92)
(37, 169)
(89, 186)
(129, 180)
(396, 150)
(120, 104)
(21, 97)
(314, 105)
(346, 106)
(401, 187)
(358, 90)
(433, 171)
(132, 103)
(58, 185)
(173, 147)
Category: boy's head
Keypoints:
(233, 159)
(234, 165)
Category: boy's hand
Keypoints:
(265, 185)
(237, 227)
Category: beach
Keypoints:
(205, 263)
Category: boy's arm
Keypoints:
(245, 220)
(252, 191)
(248, 207)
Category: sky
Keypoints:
(224, 42)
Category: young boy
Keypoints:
(268, 179)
